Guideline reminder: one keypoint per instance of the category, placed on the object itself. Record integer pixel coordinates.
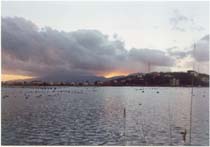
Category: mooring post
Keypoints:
(124, 120)
(124, 113)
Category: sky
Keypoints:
(103, 38)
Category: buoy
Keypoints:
(6, 96)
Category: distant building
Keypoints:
(72, 84)
(36, 82)
(205, 79)
(91, 84)
(139, 76)
(98, 83)
(174, 82)
(129, 79)
(123, 81)
(115, 81)
(85, 83)
(51, 83)
(155, 74)
(192, 72)
(168, 75)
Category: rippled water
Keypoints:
(94, 116)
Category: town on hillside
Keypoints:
(182, 79)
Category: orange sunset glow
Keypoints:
(113, 74)
(11, 77)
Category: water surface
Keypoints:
(94, 116)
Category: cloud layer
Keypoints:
(27, 49)
(199, 51)
(30, 50)
(183, 23)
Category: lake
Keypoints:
(95, 116)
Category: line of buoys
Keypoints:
(5, 96)
(26, 96)
(142, 90)
(38, 96)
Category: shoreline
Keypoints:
(38, 86)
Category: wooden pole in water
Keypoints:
(169, 122)
(142, 127)
(124, 113)
(143, 132)
(191, 102)
(124, 120)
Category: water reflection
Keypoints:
(94, 116)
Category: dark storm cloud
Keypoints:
(27, 49)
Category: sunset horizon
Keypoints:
(46, 48)
(105, 73)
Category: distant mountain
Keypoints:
(65, 77)
(135, 79)
(71, 77)
(115, 77)
(120, 77)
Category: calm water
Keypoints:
(94, 116)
